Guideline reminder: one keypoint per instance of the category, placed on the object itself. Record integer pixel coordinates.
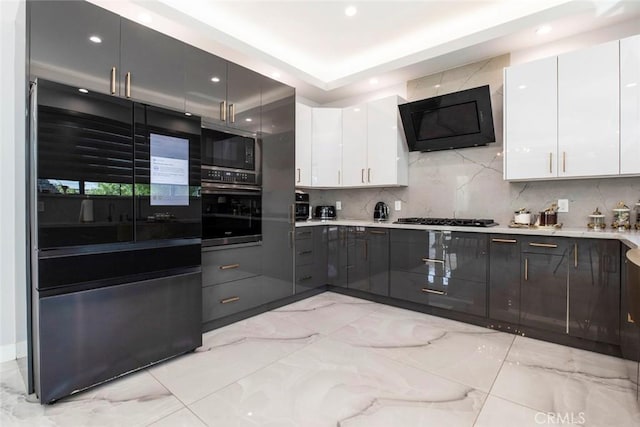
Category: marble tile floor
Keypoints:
(336, 361)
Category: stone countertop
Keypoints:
(630, 238)
(633, 255)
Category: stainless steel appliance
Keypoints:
(462, 222)
(325, 212)
(302, 206)
(381, 212)
(231, 158)
(117, 287)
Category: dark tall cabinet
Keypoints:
(205, 84)
(504, 278)
(368, 259)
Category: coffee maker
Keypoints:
(381, 212)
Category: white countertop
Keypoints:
(630, 238)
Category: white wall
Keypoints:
(12, 173)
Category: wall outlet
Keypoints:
(563, 205)
(338, 205)
(398, 205)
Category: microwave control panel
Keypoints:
(229, 177)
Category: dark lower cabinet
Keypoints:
(630, 319)
(594, 290)
(357, 259)
(311, 258)
(367, 259)
(504, 278)
(337, 255)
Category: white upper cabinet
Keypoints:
(588, 112)
(354, 146)
(326, 147)
(531, 120)
(387, 153)
(303, 145)
(630, 105)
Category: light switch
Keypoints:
(398, 205)
(338, 205)
(563, 205)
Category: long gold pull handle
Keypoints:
(377, 232)
(127, 85)
(298, 175)
(575, 255)
(223, 111)
(630, 319)
(543, 245)
(228, 300)
(550, 162)
(504, 240)
(426, 260)
(369, 175)
(113, 80)
(526, 269)
(232, 113)
(362, 175)
(229, 266)
(564, 161)
(433, 291)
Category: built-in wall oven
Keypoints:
(231, 188)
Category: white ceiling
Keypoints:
(327, 55)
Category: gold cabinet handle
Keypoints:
(426, 260)
(298, 175)
(543, 245)
(526, 269)
(228, 300)
(303, 233)
(433, 291)
(550, 162)
(305, 252)
(229, 266)
(223, 111)
(113, 80)
(504, 240)
(362, 175)
(232, 113)
(127, 85)
(564, 161)
(369, 175)
(630, 319)
(305, 278)
(575, 255)
(377, 232)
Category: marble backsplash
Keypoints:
(468, 183)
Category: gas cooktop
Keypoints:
(448, 221)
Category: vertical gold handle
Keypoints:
(113, 80)
(127, 85)
(575, 255)
(550, 162)
(232, 113)
(564, 161)
(298, 175)
(369, 175)
(223, 111)
(362, 175)
(526, 269)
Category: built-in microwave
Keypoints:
(230, 158)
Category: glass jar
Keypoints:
(596, 221)
(621, 217)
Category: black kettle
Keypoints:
(381, 212)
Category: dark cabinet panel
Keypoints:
(61, 48)
(232, 297)
(152, 66)
(244, 101)
(311, 258)
(358, 263)
(205, 84)
(337, 244)
(630, 313)
(226, 265)
(594, 290)
(378, 258)
(504, 278)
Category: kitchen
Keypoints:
(469, 174)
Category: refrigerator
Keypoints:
(115, 236)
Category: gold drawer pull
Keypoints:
(305, 252)
(305, 278)
(543, 245)
(433, 291)
(426, 260)
(304, 233)
(228, 300)
(504, 240)
(377, 232)
(630, 319)
(526, 269)
(229, 266)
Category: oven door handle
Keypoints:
(208, 188)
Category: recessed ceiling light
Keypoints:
(544, 29)
(95, 39)
(187, 114)
(248, 119)
(215, 79)
(275, 74)
(83, 90)
(144, 18)
(373, 81)
(350, 11)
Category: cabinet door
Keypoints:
(357, 258)
(244, 98)
(504, 278)
(588, 112)
(354, 146)
(303, 145)
(629, 329)
(378, 257)
(543, 293)
(151, 66)
(326, 147)
(385, 146)
(205, 84)
(337, 249)
(630, 105)
(594, 290)
(531, 120)
(61, 49)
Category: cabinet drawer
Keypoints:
(546, 245)
(229, 298)
(225, 265)
(304, 252)
(304, 233)
(450, 294)
(306, 278)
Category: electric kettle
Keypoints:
(381, 212)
